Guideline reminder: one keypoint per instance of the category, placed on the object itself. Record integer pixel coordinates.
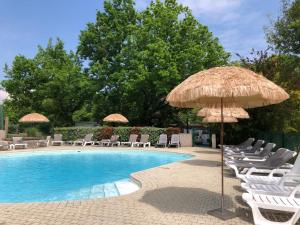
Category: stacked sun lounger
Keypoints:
(269, 181)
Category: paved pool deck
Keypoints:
(173, 194)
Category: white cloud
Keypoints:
(3, 95)
(211, 6)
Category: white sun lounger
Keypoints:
(132, 139)
(57, 139)
(18, 142)
(273, 176)
(175, 141)
(144, 142)
(45, 142)
(87, 140)
(277, 160)
(284, 189)
(273, 202)
(114, 140)
(162, 142)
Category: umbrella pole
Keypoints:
(222, 155)
(222, 213)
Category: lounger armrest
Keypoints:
(278, 171)
(297, 188)
(255, 170)
(254, 160)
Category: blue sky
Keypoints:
(24, 24)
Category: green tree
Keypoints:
(137, 58)
(285, 33)
(283, 70)
(51, 83)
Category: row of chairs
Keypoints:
(114, 141)
(267, 177)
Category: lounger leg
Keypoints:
(259, 219)
(235, 169)
(295, 217)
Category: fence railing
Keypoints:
(284, 140)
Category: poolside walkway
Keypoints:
(173, 194)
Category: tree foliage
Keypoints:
(137, 58)
(285, 34)
(283, 70)
(51, 83)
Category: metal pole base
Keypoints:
(222, 214)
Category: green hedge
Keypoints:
(73, 133)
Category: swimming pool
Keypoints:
(72, 175)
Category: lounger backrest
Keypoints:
(132, 138)
(57, 137)
(48, 138)
(17, 140)
(175, 139)
(88, 137)
(144, 138)
(247, 143)
(257, 145)
(114, 138)
(283, 156)
(267, 149)
(296, 167)
(163, 139)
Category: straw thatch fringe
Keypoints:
(234, 85)
(236, 112)
(217, 119)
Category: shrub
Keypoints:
(32, 132)
(153, 132)
(73, 133)
(123, 133)
(104, 133)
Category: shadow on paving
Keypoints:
(208, 152)
(199, 162)
(184, 200)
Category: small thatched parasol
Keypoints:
(236, 112)
(34, 118)
(116, 118)
(217, 119)
(221, 86)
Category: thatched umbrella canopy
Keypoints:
(236, 112)
(116, 118)
(234, 85)
(34, 118)
(217, 119)
(230, 86)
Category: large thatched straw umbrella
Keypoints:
(116, 118)
(225, 85)
(34, 118)
(236, 112)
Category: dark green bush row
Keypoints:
(73, 133)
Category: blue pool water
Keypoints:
(69, 175)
